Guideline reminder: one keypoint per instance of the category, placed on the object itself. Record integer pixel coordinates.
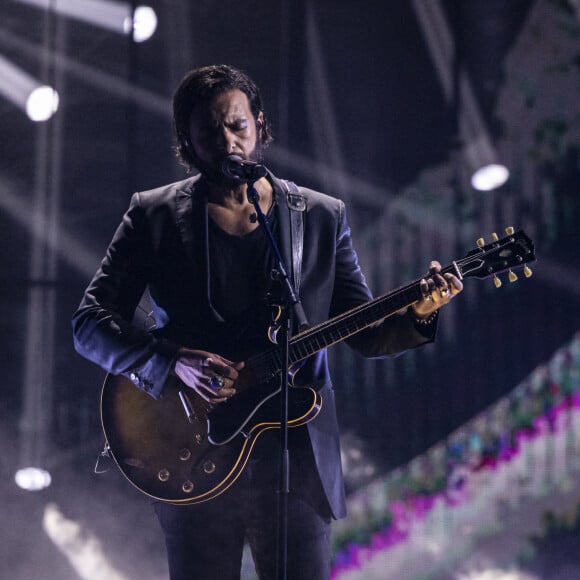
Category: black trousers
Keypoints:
(205, 541)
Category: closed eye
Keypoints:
(239, 125)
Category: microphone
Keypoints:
(234, 167)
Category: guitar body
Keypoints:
(187, 460)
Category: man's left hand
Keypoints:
(438, 290)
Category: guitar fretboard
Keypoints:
(313, 340)
(514, 250)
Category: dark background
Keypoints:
(359, 112)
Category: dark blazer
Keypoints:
(161, 245)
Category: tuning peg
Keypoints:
(480, 243)
(509, 231)
(527, 272)
(512, 276)
(496, 281)
(494, 237)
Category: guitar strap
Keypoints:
(296, 203)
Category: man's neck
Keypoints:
(227, 196)
(237, 196)
(231, 210)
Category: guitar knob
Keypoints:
(209, 467)
(184, 454)
(512, 276)
(480, 243)
(496, 281)
(494, 237)
(163, 475)
(509, 231)
(527, 272)
(187, 486)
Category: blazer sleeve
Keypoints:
(390, 336)
(102, 325)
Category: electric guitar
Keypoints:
(182, 450)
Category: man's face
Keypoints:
(225, 127)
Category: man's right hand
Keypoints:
(210, 375)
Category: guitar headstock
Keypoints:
(501, 255)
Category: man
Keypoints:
(207, 265)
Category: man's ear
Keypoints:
(260, 121)
(189, 147)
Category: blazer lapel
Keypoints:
(191, 219)
(185, 220)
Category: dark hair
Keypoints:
(199, 87)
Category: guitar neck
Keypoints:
(514, 250)
(353, 321)
(335, 330)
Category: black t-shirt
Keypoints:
(240, 268)
(240, 285)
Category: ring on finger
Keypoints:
(217, 382)
(444, 293)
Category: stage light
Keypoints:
(32, 478)
(108, 14)
(490, 177)
(143, 23)
(39, 101)
(42, 103)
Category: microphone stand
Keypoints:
(291, 307)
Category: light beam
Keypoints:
(107, 14)
(37, 100)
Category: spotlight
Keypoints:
(490, 177)
(143, 23)
(39, 101)
(42, 103)
(32, 478)
(108, 14)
